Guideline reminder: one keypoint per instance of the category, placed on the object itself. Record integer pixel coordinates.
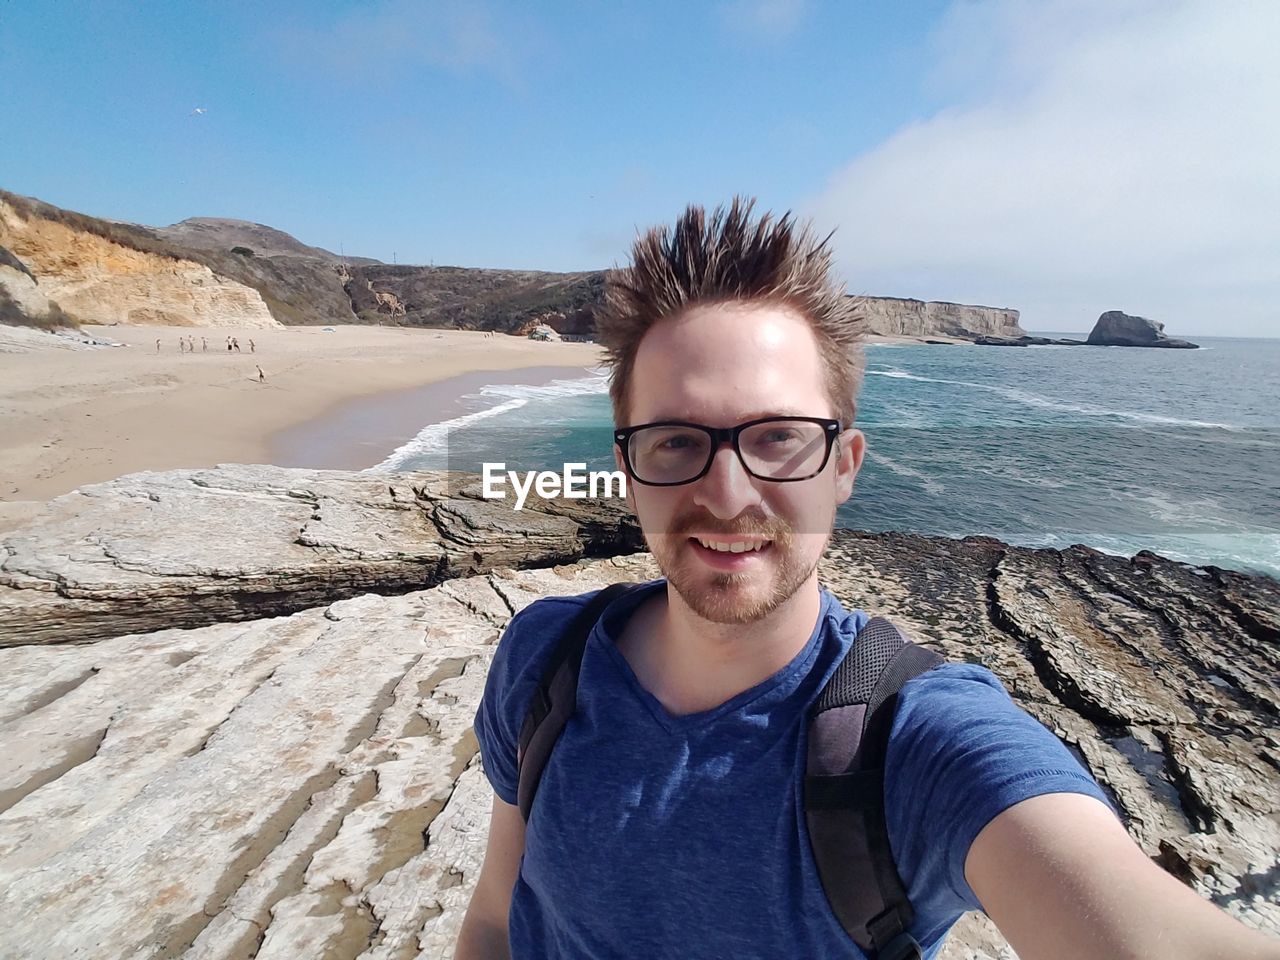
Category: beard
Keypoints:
(734, 598)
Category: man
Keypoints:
(668, 821)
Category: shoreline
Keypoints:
(77, 417)
(361, 433)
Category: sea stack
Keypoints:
(1118, 329)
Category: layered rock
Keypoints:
(1027, 341)
(1118, 329)
(891, 316)
(309, 785)
(191, 548)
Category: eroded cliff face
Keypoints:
(890, 316)
(21, 301)
(99, 281)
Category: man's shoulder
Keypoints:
(540, 625)
(953, 694)
(536, 630)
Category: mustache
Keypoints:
(745, 524)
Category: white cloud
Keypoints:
(1097, 155)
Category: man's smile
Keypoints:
(736, 545)
(734, 555)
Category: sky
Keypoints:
(1061, 157)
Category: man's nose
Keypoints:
(727, 489)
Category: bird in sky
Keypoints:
(198, 112)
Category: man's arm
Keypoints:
(1062, 879)
(484, 929)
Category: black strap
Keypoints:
(849, 730)
(556, 697)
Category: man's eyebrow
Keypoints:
(745, 418)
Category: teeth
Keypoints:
(735, 546)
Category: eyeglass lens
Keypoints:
(776, 450)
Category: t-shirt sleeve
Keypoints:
(962, 752)
(517, 666)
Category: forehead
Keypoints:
(725, 363)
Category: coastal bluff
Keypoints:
(208, 271)
(238, 702)
(897, 317)
(97, 279)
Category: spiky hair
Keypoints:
(731, 257)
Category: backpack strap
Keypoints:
(849, 727)
(556, 697)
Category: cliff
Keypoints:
(213, 271)
(890, 316)
(22, 302)
(276, 784)
(515, 301)
(100, 279)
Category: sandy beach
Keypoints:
(72, 417)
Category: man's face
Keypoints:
(720, 366)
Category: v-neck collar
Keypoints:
(775, 687)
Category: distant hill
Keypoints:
(513, 301)
(211, 270)
(221, 234)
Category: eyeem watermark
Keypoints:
(573, 483)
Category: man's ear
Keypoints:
(851, 446)
(622, 465)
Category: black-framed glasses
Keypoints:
(780, 449)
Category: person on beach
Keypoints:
(228, 344)
(157, 345)
(204, 344)
(235, 342)
(262, 377)
(670, 818)
(252, 348)
(182, 345)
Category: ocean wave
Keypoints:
(903, 375)
(433, 438)
(930, 485)
(596, 383)
(1046, 403)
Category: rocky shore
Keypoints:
(238, 702)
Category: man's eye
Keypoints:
(779, 436)
(678, 442)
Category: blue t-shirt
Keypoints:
(659, 836)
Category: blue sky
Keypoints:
(1063, 157)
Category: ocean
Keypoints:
(1123, 449)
